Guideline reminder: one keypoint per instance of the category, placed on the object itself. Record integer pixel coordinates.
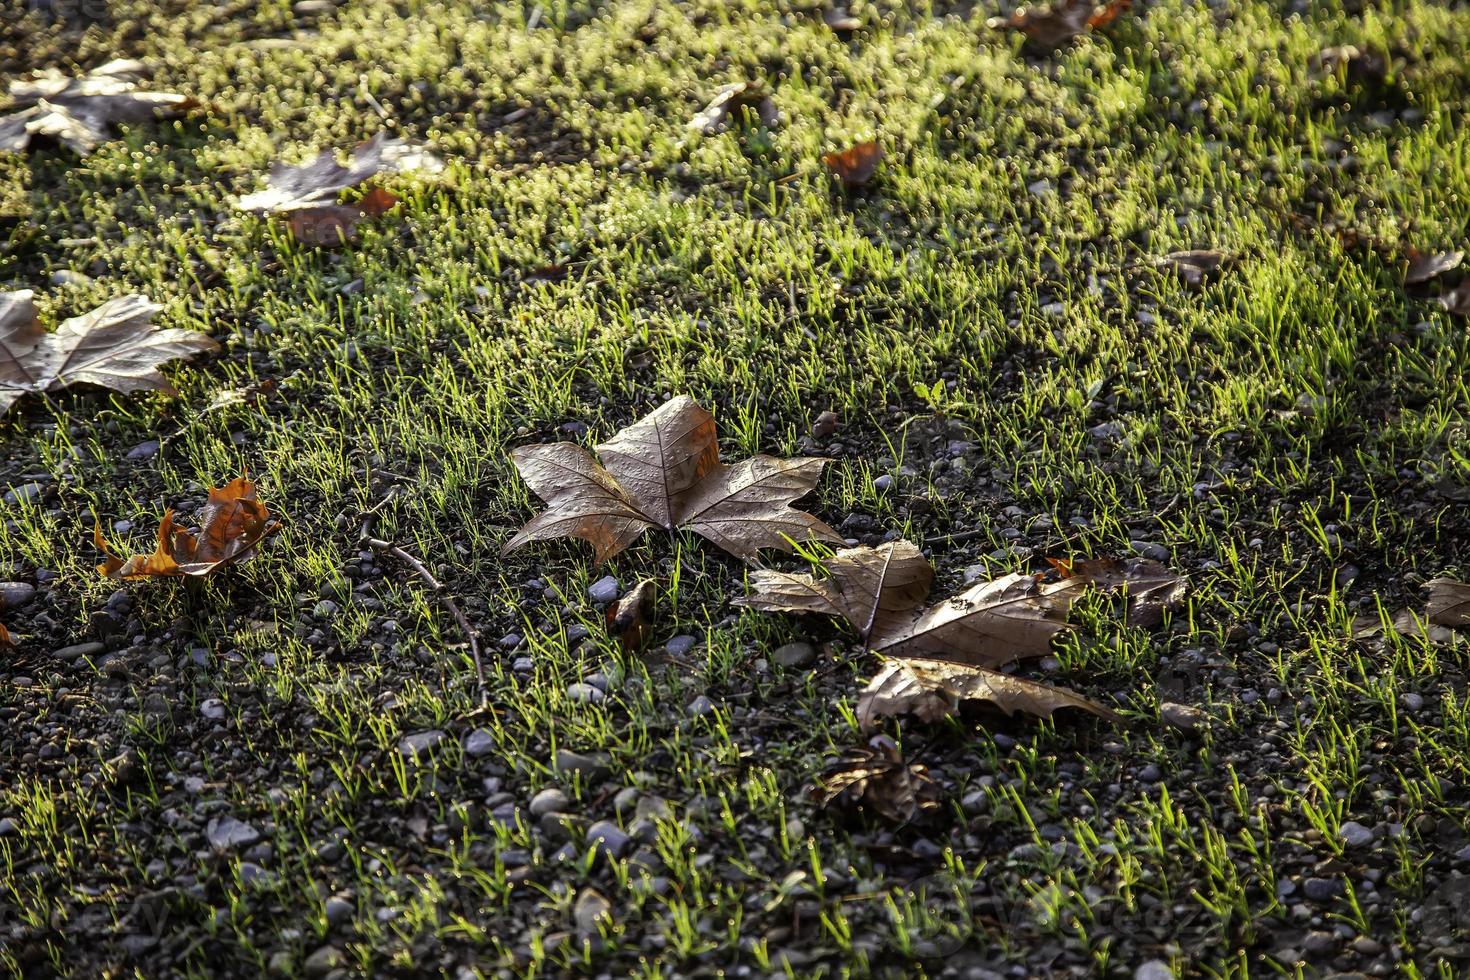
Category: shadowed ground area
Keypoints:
(288, 767)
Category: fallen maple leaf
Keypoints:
(80, 112)
(316, 183)
(733, 101)
(627, 619)
(879, 592)
(875, 777)
(1052, 26)
(231, 524)
(856, 165)
(1405, 622)
(1424, 266)
(1194, 266)
(934, 689)
(7, 642)
(115, 346)
(1151, 589)
(665, 471)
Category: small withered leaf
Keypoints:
(1457, 300)
(856, 165)
(874, 777)
(115, 346)
(840, 20)
(627, 619)
(79, 113)
(931, 690)
(879, 592)
(665, 471)
(1424, 266)
(1357, 65)
(731, 103)
(1194, 266)
(1151, 589)
(317, 182)
(231, 524)
(331, 225)
(1054, 25)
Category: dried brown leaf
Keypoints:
(627, 619)
(231, 524)
(875, 777)
(934, 689)
(115, 346)
(1054, 25)
(1357, 65)
(840, 20)
(665, 471)
(879, 592)
(731, 103)
(1424, 266)
(1151, 589)
(1449, 602)
(79, 113)
(316, 183)
(331, 225)
(856, 165)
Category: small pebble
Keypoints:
(607, 838)
(679, 645)
(590, 911)
(795, 655)
(604, 589)
(1354, 834)
(584, 693)
(212, 708)
(1184, 717)
(550, 800)
(478, 742)
(14, 594)
(412, 746)
(699, 707)
(1154, 970)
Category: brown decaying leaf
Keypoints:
(231, 524)
(330, 225)
(665, 471)
(1424, 266)
(1405, 622)
(316, 183)
(1356, 64)
(1151, 588)
(856, 165)
(79, 112)
(934, 689)
(1449, 602)
(879, 591)
(1457, 300)
(1194, 266)
(7, 642)
(1052, 26)
(733, 101)
(627, 619)
(840, 20)
(115, 346)
(875, 777)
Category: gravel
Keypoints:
(795, 655)
(225, 833)
(16, 594)
(478, 742)
(604, 589)
(420, 743)
(1354, 834)
(550, 800)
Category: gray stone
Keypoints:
(679, 645)
(1322, 889)
(325, 609)
(13, 594)
(607, 838)
(7, 827)
(324, 961)
(420, 743)
(1184, 717)
(1154, 970)
(604, 589)
(144, 450)
(1150, 774)
(1354, 834)
(1147, 549)
(795, 655)
(699, 707)
(549, 800)
(78, 651)
(882, 483)
(590, 911)
(227, 832)
(584, 693)
(1411, 700)
(24, 493)
(510, 641)
(339, 910)
(591, 765)
(478, 742)
(212, 708)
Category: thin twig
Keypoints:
(383, 547)
(962, 536)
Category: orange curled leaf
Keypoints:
(231, 524)
(1052, 26)
(330, 225)
(856, 165)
